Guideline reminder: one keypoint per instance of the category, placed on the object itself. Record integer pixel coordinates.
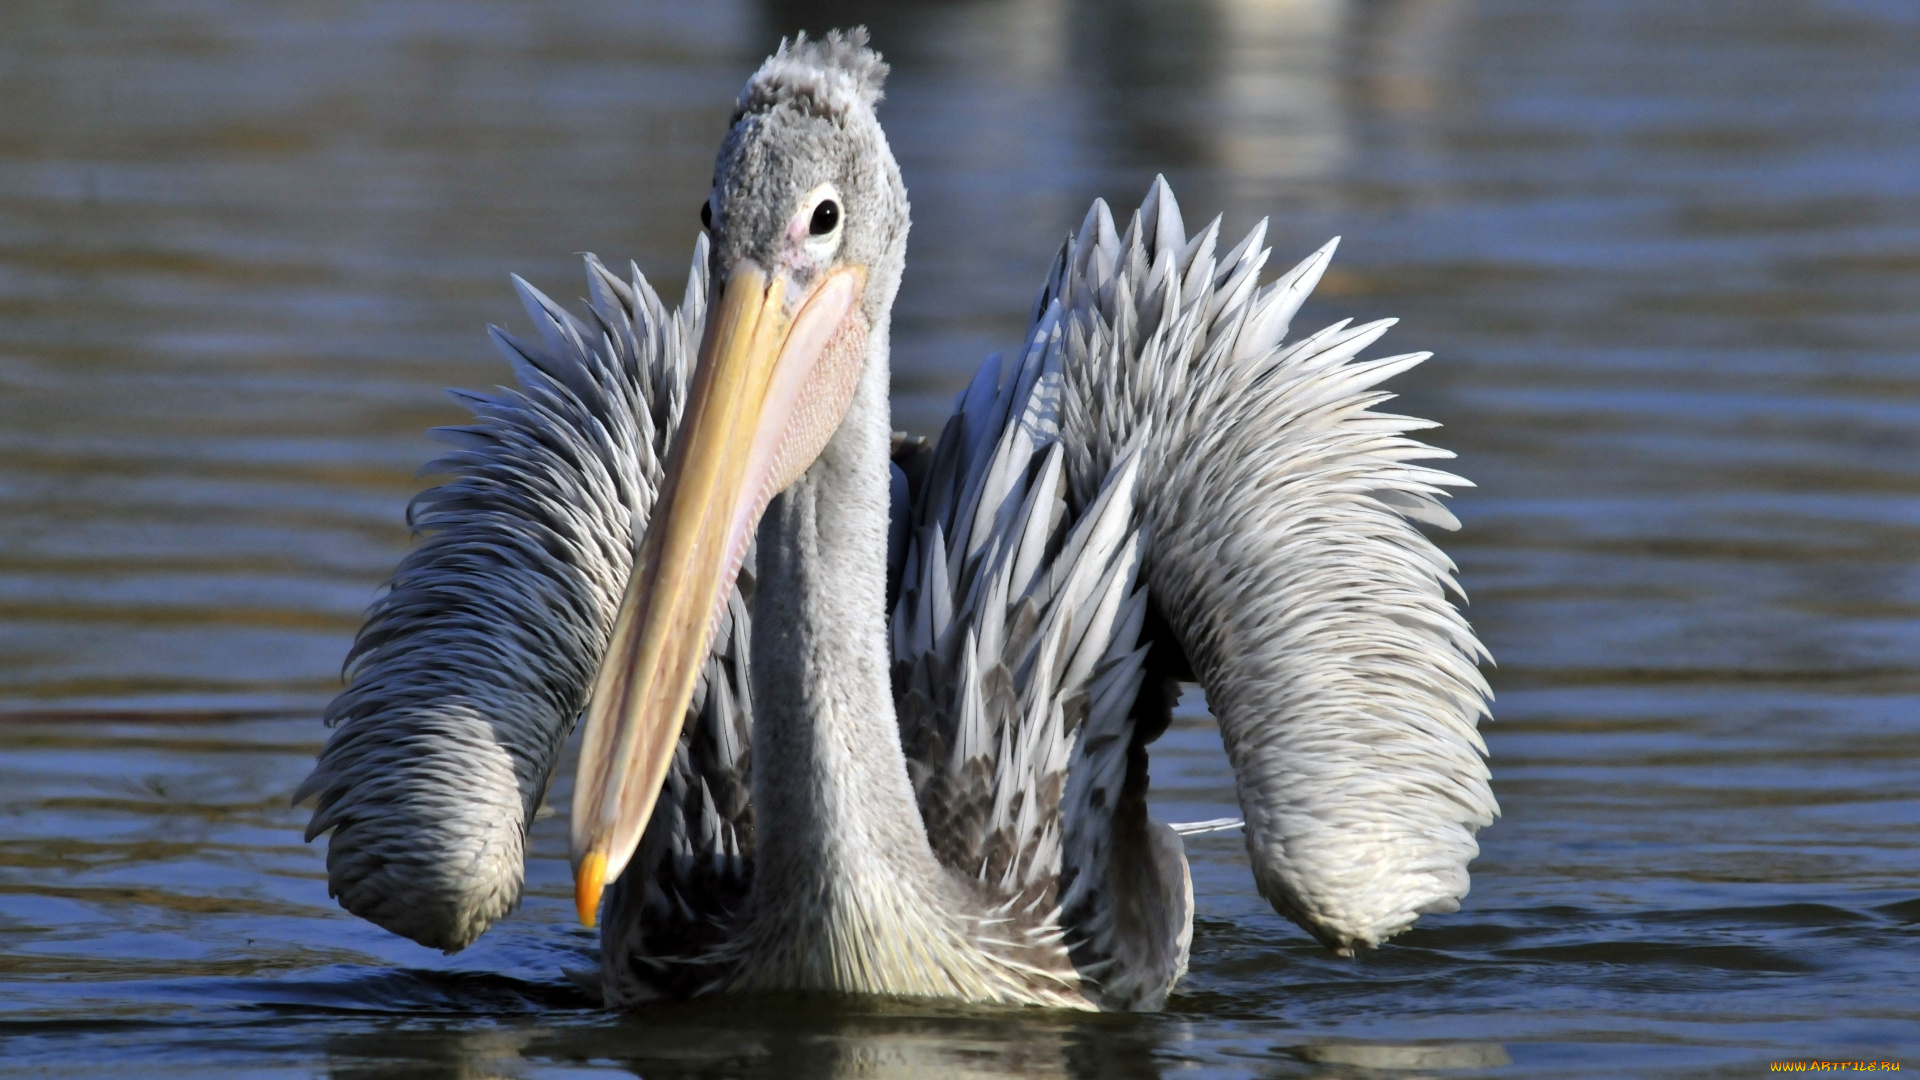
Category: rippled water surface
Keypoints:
(1667, 254)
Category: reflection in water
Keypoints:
(1281, 118)
(1405, 1058)
(803, 1041)
(1666, 257)
(488, 1054)
(1405, 54)
(800, 1040)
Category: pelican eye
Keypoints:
(826, 218)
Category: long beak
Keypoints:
(756, 362)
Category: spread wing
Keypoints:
(1284, 556)
(1160, 485)
(474, 665)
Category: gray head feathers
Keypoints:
(805, 119)
(827, 77)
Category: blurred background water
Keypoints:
(1668, 256)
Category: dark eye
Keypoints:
(826, 218)
(706, 214)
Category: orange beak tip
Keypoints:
(588, 881)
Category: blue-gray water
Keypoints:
(1668, 255)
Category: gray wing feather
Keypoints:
(475, 663)
(1016, 670)
(1282, 556)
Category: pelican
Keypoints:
(868, 715)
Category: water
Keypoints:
(1668, 256)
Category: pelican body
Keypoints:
(867, 715)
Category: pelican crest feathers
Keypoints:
(828, 76)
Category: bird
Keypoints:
(869, 715)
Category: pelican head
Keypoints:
(808, 221)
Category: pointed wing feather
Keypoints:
(1282, 555)
(1017, 671)
(473, 666)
